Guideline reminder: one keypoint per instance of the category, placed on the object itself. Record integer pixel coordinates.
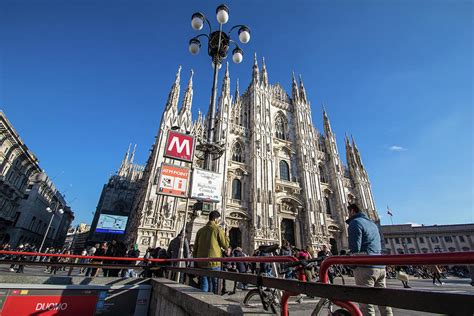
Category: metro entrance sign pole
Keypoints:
(179, 146)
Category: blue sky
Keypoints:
(80, 80)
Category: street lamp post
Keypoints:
(218, 45)
(49, 210)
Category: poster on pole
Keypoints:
(173, 181)
(179, 146)
(206, 185)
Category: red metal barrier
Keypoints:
(447, 258)
(412, 259)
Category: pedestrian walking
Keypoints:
(364, 238)
(209, 241)
(402, 276)
(436, 273)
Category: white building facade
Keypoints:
(406, 238)
(282, 178)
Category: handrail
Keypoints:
(279, 259)
(411, 259)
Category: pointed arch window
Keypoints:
(236, 189)
(281, 127)
(284, 170)
(237, 154)
(322, 178)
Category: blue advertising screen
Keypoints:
(114, 224)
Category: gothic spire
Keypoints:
(188, 96)
(302, 91)
(327, 124)
(125, 159)
(264, 76)
(123, 166)
(225, 91)
(356, 153)
(237, 92)
(255, 72)
(133, 154)
(349, 153)
(294, 88)
(173, 96)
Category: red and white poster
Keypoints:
(179, 146)
(174, 180)
(48, 305)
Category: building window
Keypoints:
(281, 127)
(448, 239)
(421, 239)
(328, 205)
(400, 251)
(452, 249)
(397, 241)
(237, 152)
(424, 250)
(465, 249)
(236, 189)
(284, 171)
(461, 238)
(385, 240)
(412, 250)
(409, 240)
(434, 239)
(322, 178)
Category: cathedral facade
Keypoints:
(282, 178)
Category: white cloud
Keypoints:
(397, 148)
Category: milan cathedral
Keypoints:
(282, 178)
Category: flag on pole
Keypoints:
(389, 212)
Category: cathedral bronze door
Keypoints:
(288, 230)
(235, 236)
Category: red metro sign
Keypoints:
(179, 146)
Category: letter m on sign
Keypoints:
(179, 146)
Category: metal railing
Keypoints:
(342, 295)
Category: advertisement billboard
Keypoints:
(179, 146)
(173, 180)
(206, 185)
(109, 223)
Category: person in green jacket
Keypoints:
(210, 240)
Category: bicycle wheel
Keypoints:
(252, 299)
(318, 310)
(257, 299)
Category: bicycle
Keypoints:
(268, 298)
(324, 304)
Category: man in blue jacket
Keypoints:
(364, 239)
